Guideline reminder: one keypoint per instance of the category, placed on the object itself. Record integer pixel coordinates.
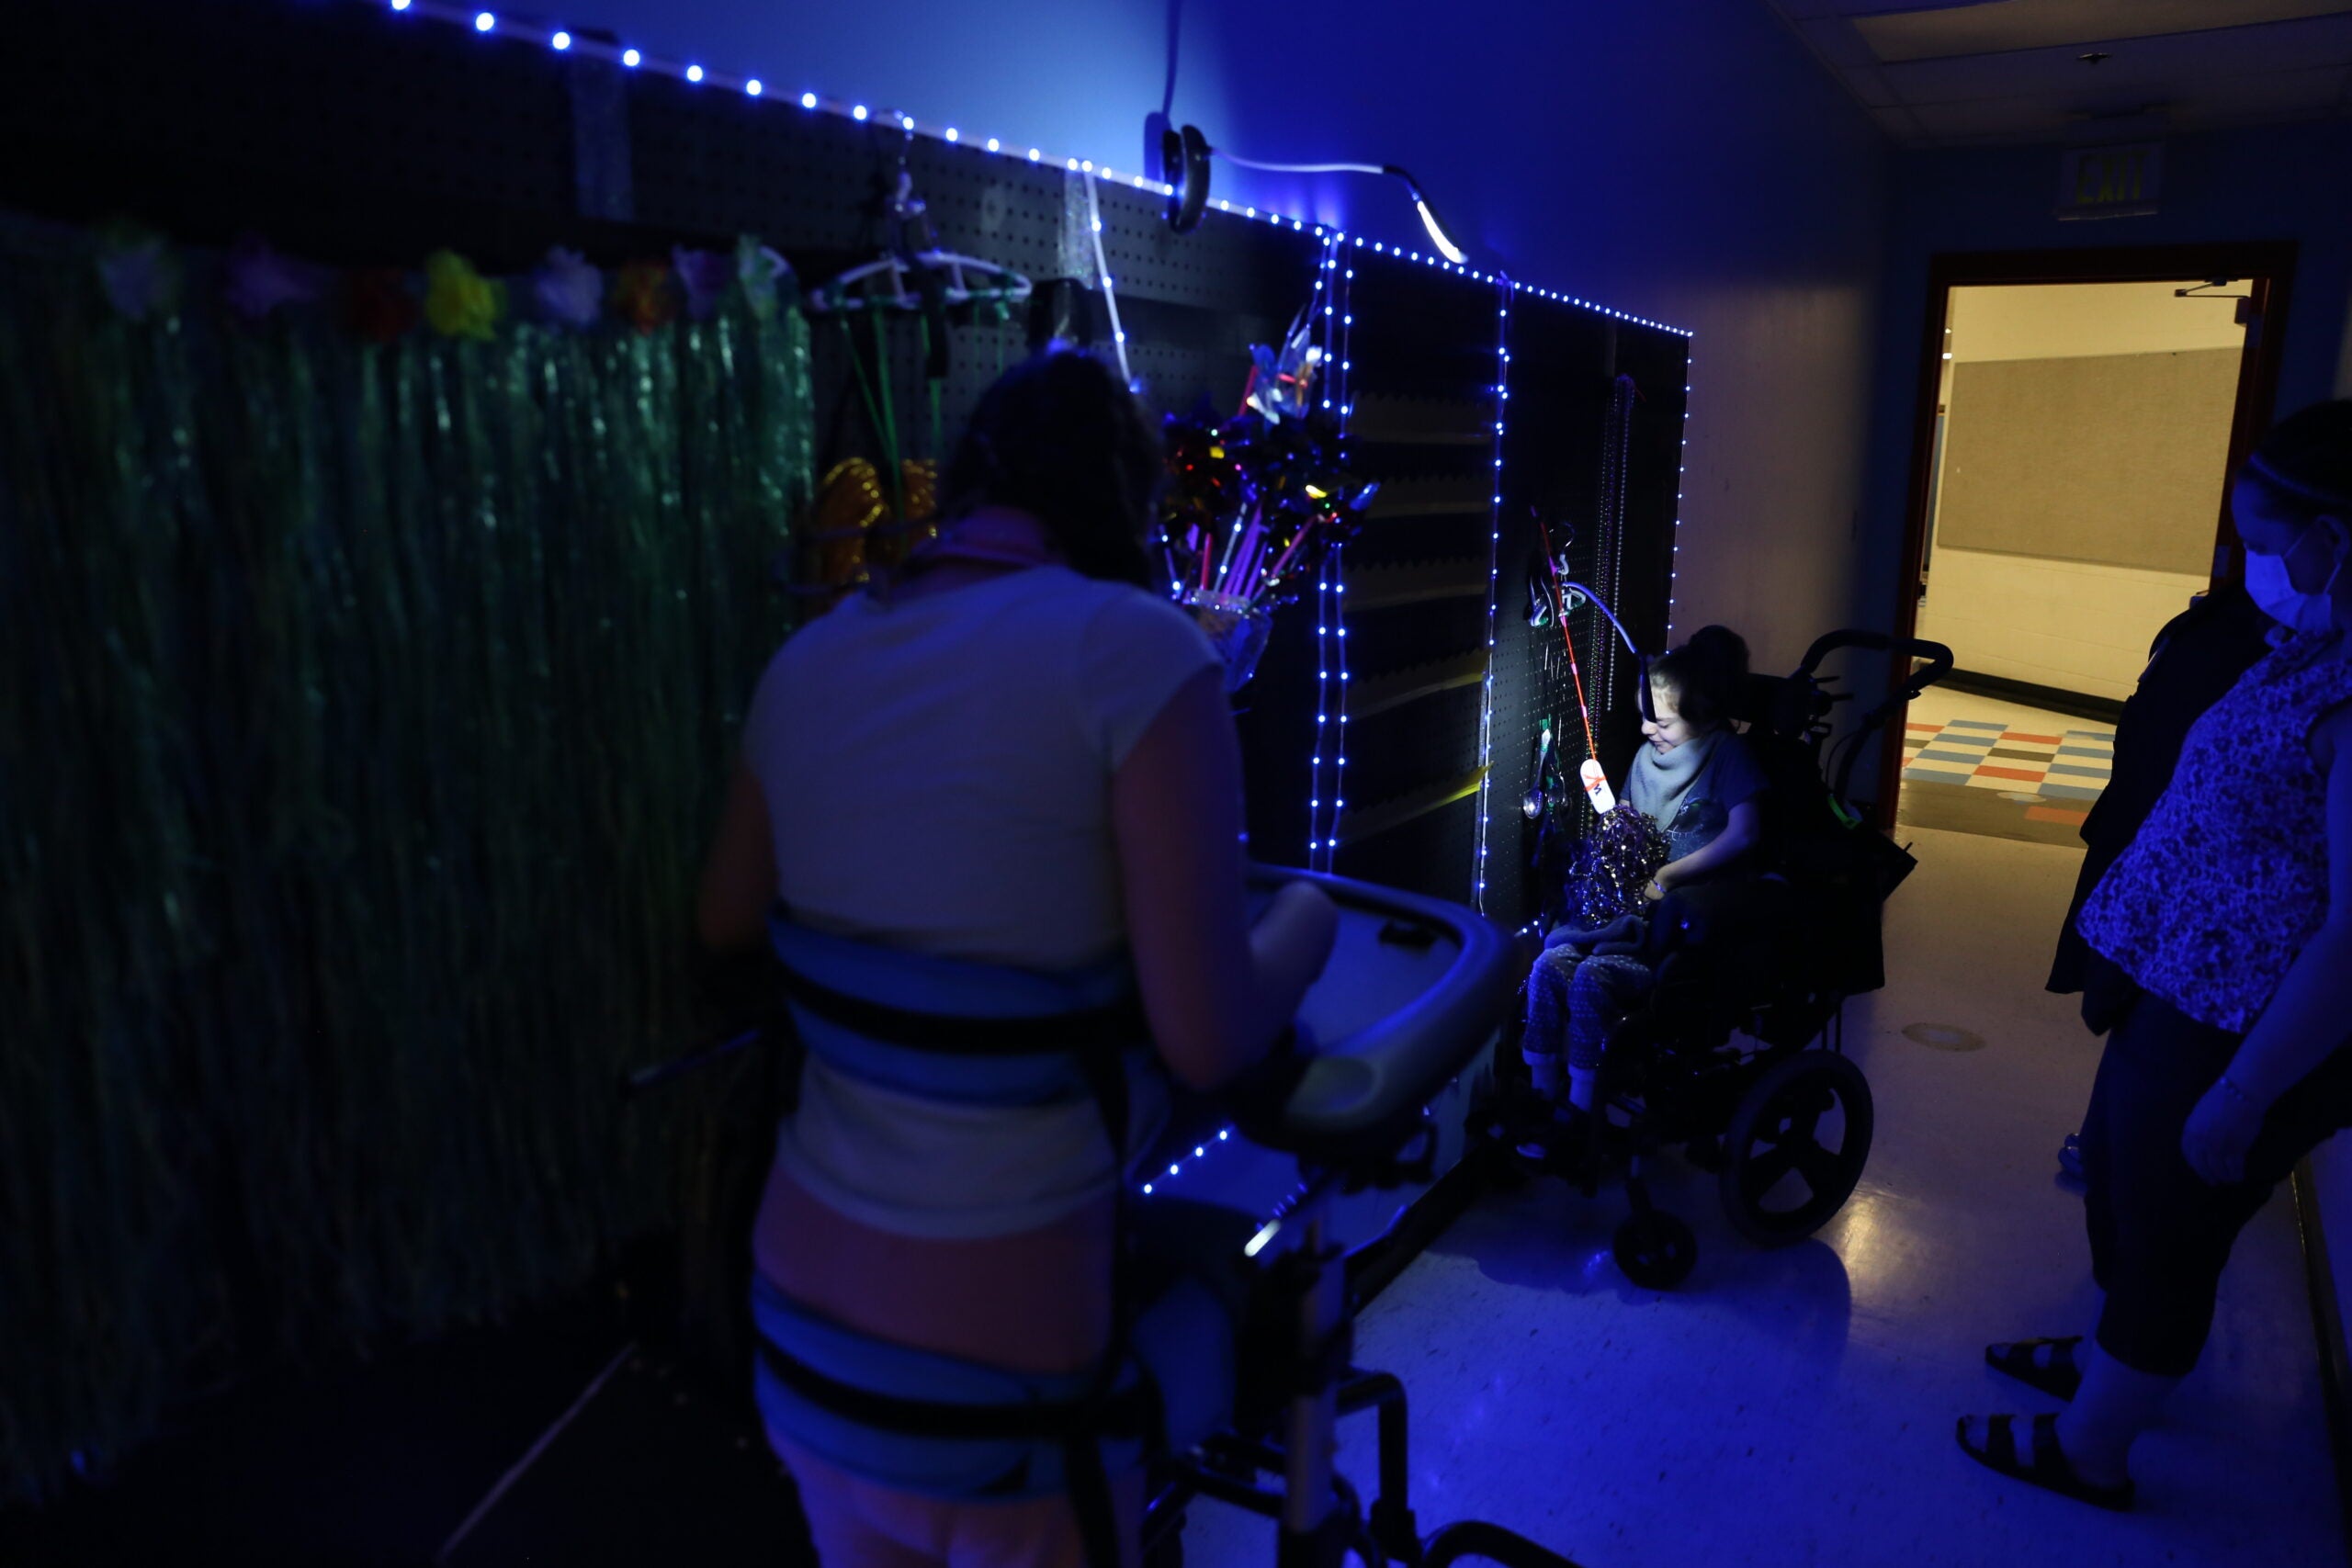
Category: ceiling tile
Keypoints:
(2220, 101)
(2004, 26)
(1841, 48)
(2146, 68)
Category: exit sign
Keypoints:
(2110, 182)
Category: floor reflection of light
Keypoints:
(1874, 1244)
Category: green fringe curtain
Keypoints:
(364, 709)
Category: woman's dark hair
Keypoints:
(2306, 461)
(1704, 674)
(1060, 437)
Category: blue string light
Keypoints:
(1674, 529)
(487, 22)
(1344, 290)
(1327, 742)
(1493, 573)
(1199, 1151)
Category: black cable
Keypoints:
(1175, 37)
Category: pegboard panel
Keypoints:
(328, 126)
(1423, 377)
(1150, 261)
(350, 134)
(1565, 364)
(815, 184)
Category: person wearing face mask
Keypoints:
(1695, 781)
(2228, 924)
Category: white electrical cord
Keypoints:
(1299, 168)
(1437, 236)
(1102, 270)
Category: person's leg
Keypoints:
(1605, 987)
(2098, 1171)
(855, 1524)
(2054, 1365)
(1040, 1532)
(2162, 1233)
(1545, 1037)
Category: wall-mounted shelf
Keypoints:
(1387, 587)
(1397, 810)
(1366, 698)
(1422, 422)
(1439, 497)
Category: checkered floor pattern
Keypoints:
(2070, 767)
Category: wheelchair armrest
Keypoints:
(1719, 914)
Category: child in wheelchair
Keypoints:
(1691, 812)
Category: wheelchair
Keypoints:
(1737, 1053)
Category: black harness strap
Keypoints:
(1087, 1033)
(1061, 1420)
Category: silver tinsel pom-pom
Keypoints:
(1612, 866)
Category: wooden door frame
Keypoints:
(2268, 265)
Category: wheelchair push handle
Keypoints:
(1938, 655)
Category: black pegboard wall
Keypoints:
(345, 132)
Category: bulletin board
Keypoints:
(2116, 459)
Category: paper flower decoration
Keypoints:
(459, 301)
(380, 306)
(760, 269)
(642, 295)
(566, 289)
(706, 275)
(259, 281)
(139, 272)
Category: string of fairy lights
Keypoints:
(489, 24)
(1333, 277)
(1493, 573)
(1337, 317)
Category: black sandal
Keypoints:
(2015, 1359)
(2047, 1468)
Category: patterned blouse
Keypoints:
(2227, 879)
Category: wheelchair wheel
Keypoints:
(1655, 1250)
(1795, 1147)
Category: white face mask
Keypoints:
(2273, 589)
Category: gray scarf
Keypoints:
(1660, 779)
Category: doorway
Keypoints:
(2080, 415)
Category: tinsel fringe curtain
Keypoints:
(363, 709)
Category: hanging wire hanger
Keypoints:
(940, 278)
